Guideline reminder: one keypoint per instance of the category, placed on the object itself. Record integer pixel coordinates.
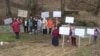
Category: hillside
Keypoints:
(49, 5)
(86, 8)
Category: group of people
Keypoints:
(72, 36)
(37, 25)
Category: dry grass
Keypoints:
(27, 47)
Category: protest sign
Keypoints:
(69, 20)
(90, 31)
(56, 13)
(22, 13)
(80, 32)
(64, 30)
(8, 21)
(45, 14)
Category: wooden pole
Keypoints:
(79, 42)
(89, 39)
(62, 7)
(63, 41)
(69, 32)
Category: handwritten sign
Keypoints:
(90, 31)
(22, 13)
(45, 14)
(69, 20)
(8, 21)
(56, 13)
(64, 30)
(80, 32)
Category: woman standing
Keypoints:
(50, 25)
(16, 27)
(55, 36)
(44, 26)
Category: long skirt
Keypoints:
(55, 41)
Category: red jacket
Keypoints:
(55, 33)
(16, 26)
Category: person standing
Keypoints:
(25, 24)
(69, 36)
(39, 26)
(73, 37)
(55, 36)
(96, 33)
(30, 24)
(35, 25)
(50, 25)
(44, 26)
(58, 24)
(16, 27)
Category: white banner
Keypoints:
(80, 32)
(56, 13)
(90, 31)
(8, 21)
(45, 14)
(64, 30)
(22, 13)
(25, 13)
(69, 20)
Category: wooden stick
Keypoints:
(69, 36)
(63, 41)
(89, 39)
(79, 42)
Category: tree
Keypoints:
(34, 7)
(8, 8)
(62, 7)
(97, 8)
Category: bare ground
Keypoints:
(37, 49)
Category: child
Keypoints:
(95, 35)
(73, 37)
(55, 36)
